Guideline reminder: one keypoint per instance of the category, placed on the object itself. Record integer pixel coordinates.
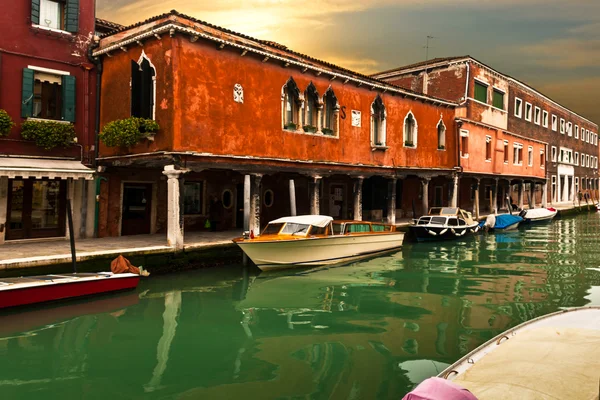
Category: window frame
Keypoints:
(569, 128)
(488, 148)
(545, 117)
(576, 158)
(506, 148)
(537, 115)
(464, 133)
(562, 126)
(500, 92)
(553, 154)
(530, 156)
(202, 200)
(378, 124)
(576, 133)
(519, 107)
(528, 118)
(441, 143)
(554, 123)
(542, 158)
(415, 131)
(483, 85)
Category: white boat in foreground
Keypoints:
(309, 240)
(538, 214)
(556, 356)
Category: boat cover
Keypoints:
(439, 389)
(316, 220)
(536, 213)
(503, 221)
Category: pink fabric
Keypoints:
(439, 389)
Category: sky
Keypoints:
(553, 45)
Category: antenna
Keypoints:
(427, 50)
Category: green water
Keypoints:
(367, 330)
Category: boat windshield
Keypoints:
(272, 229)
(443, 211)
(292, 228)
(432, 220)
(338, 229)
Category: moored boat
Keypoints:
(501, 222)
(538, 214)
(39, 289)
(309, 240)
(443, 223)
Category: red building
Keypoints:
(244, 123)
(48, 89)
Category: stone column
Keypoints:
(292, 198)
(521, 193)
(358, 186)
(425, 193)
(565, 195)
(454, 201)
(174, 206)
(255, 204)
(495, 197)
(315, 195)
(391, 205)
(476, 185)
(545, 194)
(247, 200)
(3, 207)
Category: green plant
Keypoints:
(6, 123)
(408, 143)
(309, 128)
(441, 147)
(127, 132)
(291, 126)
(48, 134)
(327, 131)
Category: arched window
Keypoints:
(378, 116)
(143, 88)
(441, 135)
(410, 130)
(291, 105)
(331, 113)
(311, 109)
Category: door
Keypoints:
(36, 208)
(137, 206)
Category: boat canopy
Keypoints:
(443, 211)
(320, 221)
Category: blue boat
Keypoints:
(501, 222)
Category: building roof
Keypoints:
(421, 64)
(265, 48)
(106, 25)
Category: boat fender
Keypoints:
(432, 233)
(458, 234)
(443, 231)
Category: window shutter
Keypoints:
(72, 16)
(68, 98)
(27, 93)
(480, 92)
(35, 12)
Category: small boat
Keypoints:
(39, 289)
(444, 223)
(309, 240)
(501, 222)
(556, 356)
(538, 214)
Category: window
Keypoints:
(576, 131)
(143, 85)
(576, 185)
(562, 126)
(464, 143)
(518, 154)
(576, 158)
(545, 119)
(488, 148)
(378, 116)
(569, 129)
(268, 198)
(193, 198)
(410, 130)
(441, 131)
(291, 105)
(518, 107)
(498, 99)
(506, 152)
(553, 195)
(582, 134)
(553, 154)
(537, 115)
(582, 160)
(587, 136)
(311, 109)
(530, 156)
(47, 95)
(331, 114)
(481, 92)
(554, 123)
(528, 111)
(542, 159)
(587, 161)
(61, 14)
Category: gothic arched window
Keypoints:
(143, 88)
(378, 116)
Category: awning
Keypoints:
(13, 167)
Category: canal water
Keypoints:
(367, 330)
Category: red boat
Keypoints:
(39, 289)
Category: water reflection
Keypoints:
(370, 329)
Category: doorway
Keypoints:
(137, 208)
(36, 208)
(438, 196)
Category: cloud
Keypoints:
(564, 53)
(574, 94)
(359, 64)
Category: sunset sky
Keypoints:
(554, 45)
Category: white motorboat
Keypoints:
(309, 240)
(538, 214)
(444, 223)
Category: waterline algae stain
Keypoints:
(367, 330)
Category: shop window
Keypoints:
(331, 113)
(441, 133)
(143, 88)
(60, 14)
(48, 96)
(311, 107)
(193, 198)
(378, 122)
(227, 198)
(481, 92)
(291, 105)
(410, 130)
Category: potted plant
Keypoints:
(309, 128)
(327, 131)
(128, 132)
(409, 143)
(291, 126)
(6, 123)
(49, 134)
(441, 147)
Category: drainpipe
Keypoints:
(98, 63)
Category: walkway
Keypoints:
(24, 254)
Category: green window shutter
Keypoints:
(27, 93)
(68, 98)
(498, 100)
(35, 12)
(480, 92)
(72, 16)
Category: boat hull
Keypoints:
(278, 254)
(539, 215)
(423, 233)
(62, 287)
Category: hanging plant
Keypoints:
(49, 134)
(6, 123)
(128, 132)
